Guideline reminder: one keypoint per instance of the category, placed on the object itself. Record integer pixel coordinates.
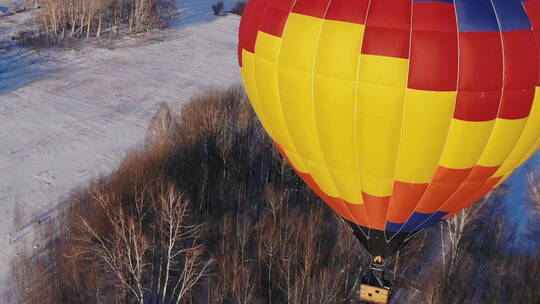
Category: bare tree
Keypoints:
(62, 20)
(456, 228)
(534, 191)
(181, 253)
(123, 251)
(160, 127)
(126, 253)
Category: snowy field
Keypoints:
(67, 117)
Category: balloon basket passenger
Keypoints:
(376, 284)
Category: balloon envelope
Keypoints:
(397, 113)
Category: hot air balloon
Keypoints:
(397, 113)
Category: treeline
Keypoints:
(206, 211)
(58, 21)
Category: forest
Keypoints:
(207, 211)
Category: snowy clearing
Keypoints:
(67, 117)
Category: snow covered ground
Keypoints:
(69, 116)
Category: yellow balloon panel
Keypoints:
(338, 49)
(248, 75)
(334, 109)
(379, 115)
(299, 42)
(426, 120)
(465, 143)
(266, 76)
(525, 143)
(383, 71)
(504, 136)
